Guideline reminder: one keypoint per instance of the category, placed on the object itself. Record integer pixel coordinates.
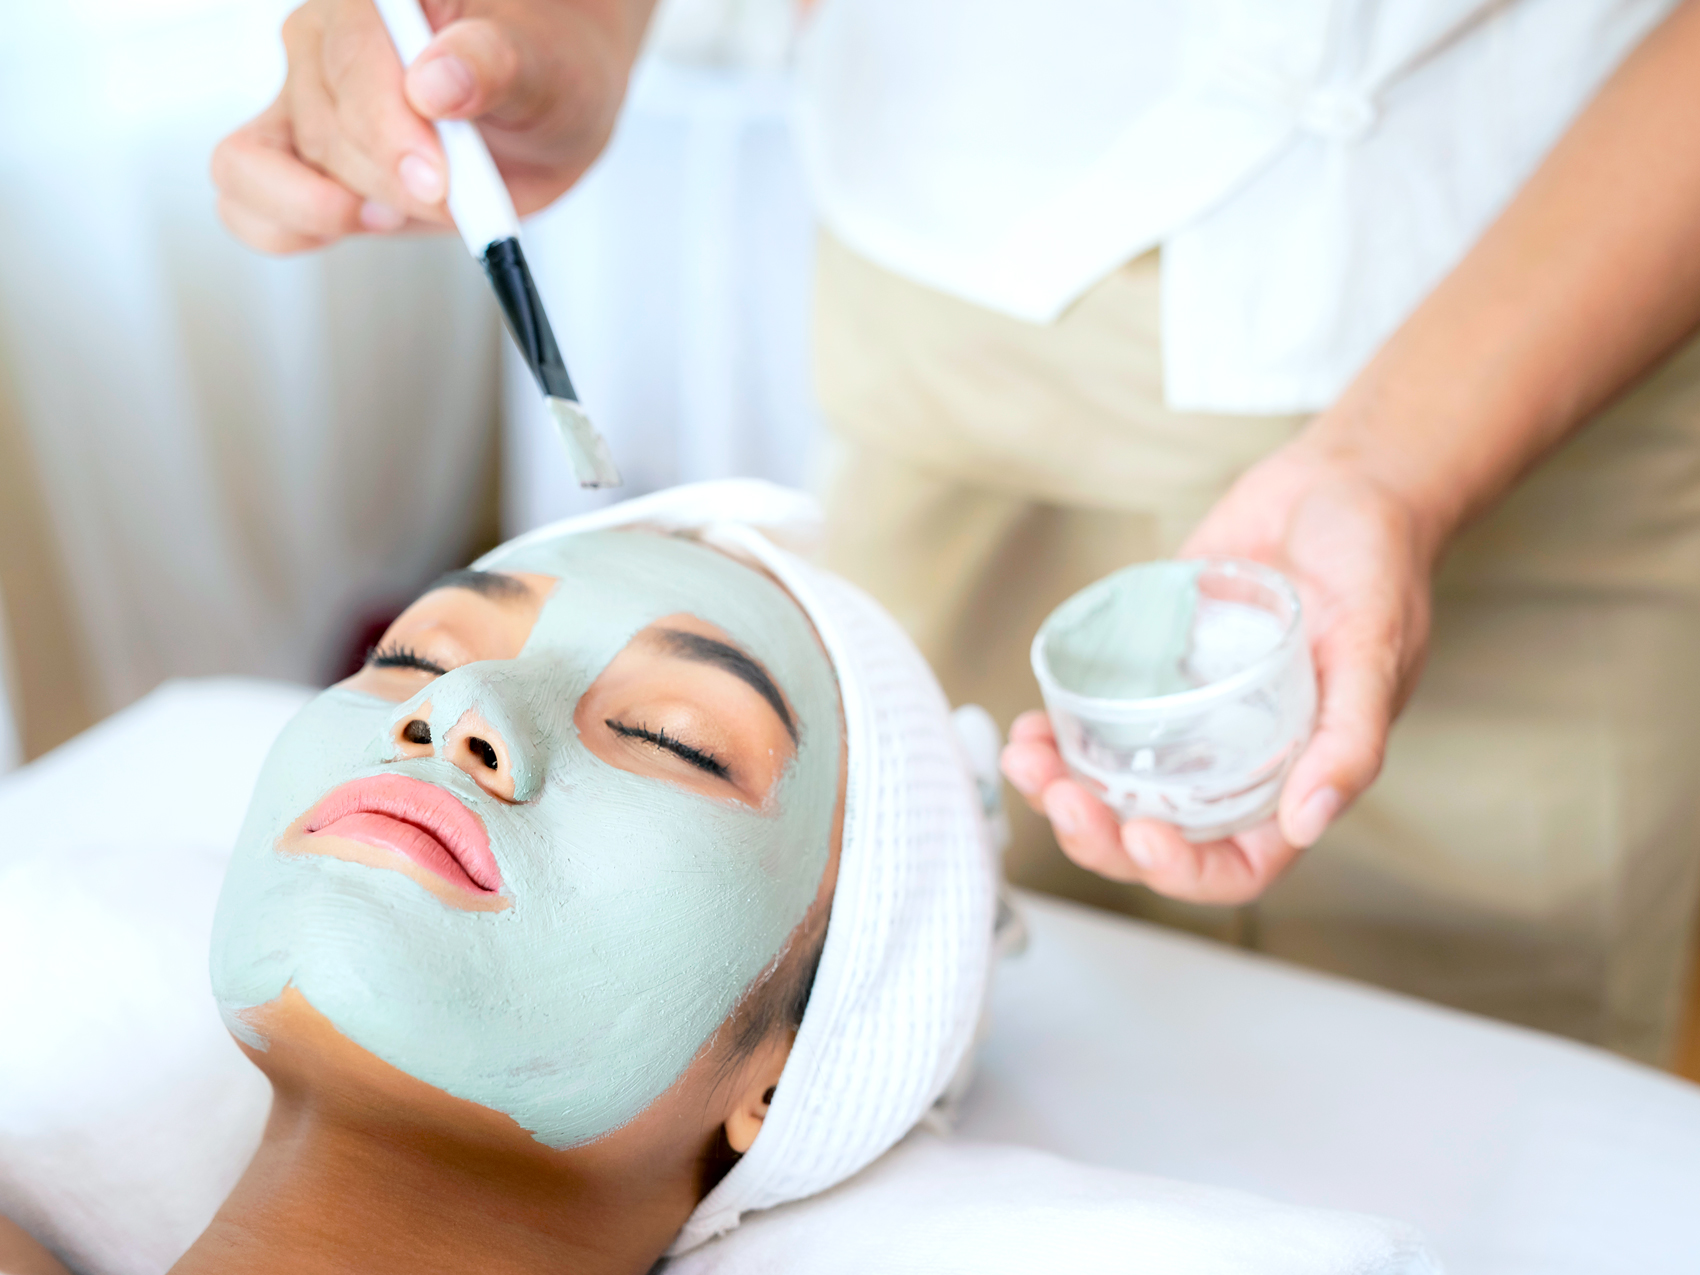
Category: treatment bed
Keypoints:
(1111, 1042)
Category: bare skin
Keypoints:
(21, 1255)
(363, 1168)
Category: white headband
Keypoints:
(908, 949)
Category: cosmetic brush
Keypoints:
(484, 214)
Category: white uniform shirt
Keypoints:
(1311, 168)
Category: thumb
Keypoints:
(473, 67)
(1358, 685)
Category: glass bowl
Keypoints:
(1181, 691)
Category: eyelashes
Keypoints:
(395, 655)
(661, 739)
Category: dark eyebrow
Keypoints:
(707, 650)
(489, 584)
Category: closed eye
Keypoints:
(397, 656)
(661, 739)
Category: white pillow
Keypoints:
(126, 1112)
(943, 1206)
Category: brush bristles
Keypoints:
(592, 462)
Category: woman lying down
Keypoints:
(634, 883)
(637, 883)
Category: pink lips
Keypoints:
(412, 818)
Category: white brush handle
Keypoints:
(478, 197)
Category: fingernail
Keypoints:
(1314, 816)
(421, 178)
(376, 216)
(1062, 818)
(442, 85)
(1020, 774)
(1139, 848)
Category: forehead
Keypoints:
(614, 583)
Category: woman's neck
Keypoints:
(324, 1199)
(371, 1171)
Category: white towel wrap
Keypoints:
(908, 948)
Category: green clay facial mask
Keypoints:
(1127, 636)
(638, 911)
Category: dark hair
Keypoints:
(774, 1002)
(778, 998)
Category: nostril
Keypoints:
(416, 732)
(482, 750)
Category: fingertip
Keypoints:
(1335, 767)
(441, 87)
(260, 234)
(1062, 810)
(233, 148)
(1021, 768)
(1030, 764)
(422, 179)
(1081, 819)
(472, 67)
(1304, 825)
(1139, 846)
(381, 218)
(328, 211)
(1087, 831)
(1168, 860)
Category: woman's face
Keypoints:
(537, 849)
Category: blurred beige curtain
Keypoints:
(210, 461)
(38, 635)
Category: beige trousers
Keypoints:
(1532, 848)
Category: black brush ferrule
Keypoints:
(522, 308)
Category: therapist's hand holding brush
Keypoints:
(347, 147)
(1587, 279)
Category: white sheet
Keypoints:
(1114, 1043)
(948, 1206)
(1121, 1044)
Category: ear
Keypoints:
(757, 1079)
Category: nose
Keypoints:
(472, 744)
